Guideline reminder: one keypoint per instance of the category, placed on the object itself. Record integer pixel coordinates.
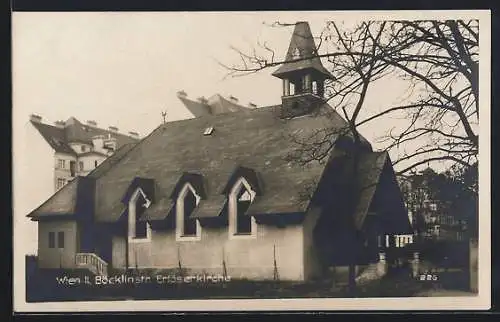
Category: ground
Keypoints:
(444, 293)
(46, 288)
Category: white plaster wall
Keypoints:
(57, 257)
(62, 173)
(245, 258)
(312, 265)
(89, 162)
(77, 147)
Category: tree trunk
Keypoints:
(352, 279)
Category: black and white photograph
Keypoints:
(201, 161)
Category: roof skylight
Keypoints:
(208, 130)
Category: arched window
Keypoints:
(187, 228)
(138, 229)
(240, 199)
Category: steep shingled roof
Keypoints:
(79, 132)
(111, 161)
(371, 166)
(75, 131)
(74, 198)
(55, 137)
(195, 107)
(64, 201)
(253, 138)
(216, 104)
(302, 43)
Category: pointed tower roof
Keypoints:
(302, 54)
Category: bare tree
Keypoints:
(437, 59)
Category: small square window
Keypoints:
(84, 148)
(60, 183)
(60, 239)
(61, 164)
(52, 239)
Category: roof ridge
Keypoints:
(99, 128)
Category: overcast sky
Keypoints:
(124, 69)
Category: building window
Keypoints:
(141, 229)
(84, 148)
(95, 164)
(80, 165)
(60, 183)
(138, 229)
(433, 207)
(243, 222)
(240, 199)
(60, 239)
(186, 227)
(72, 168)
(52, 239)
(61, 164)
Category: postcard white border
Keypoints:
(480, 302)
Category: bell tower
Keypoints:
(303, 74)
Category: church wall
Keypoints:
(57, 257)
(313, 267)
(250, 258)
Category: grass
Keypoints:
(44, 288)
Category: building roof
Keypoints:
(74, 131)
(74, 198)
(61, 203)
(55, 137)
(371, 166)
(111, 160)
(83, 154)
(302, 54)
(255, 140)
(216, 104)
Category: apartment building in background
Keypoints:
(52, 155)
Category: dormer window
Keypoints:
(187, 228)
(296, 54)
(241, 197)
(138, 230)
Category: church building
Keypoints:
(222, 193)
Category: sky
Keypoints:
(123, 69)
